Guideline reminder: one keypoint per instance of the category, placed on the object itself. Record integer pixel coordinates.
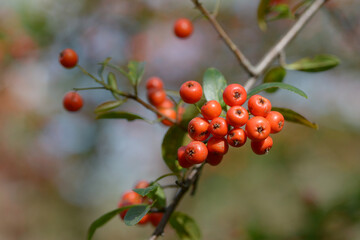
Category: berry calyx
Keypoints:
(218, 127)
(237, 116)
(259, 106)
(218, 145)
(258, 128)
(72, 101)
(191, 92)
(196, 152)
(183, 28)
(211, 109)
(262, 147)
(154, 83)
(236, 137)
(276, 121)
(234, 95)
(68, 58)
(198, 129)
(182, 159)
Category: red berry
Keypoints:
(154, 83)
(259, 106)
(234, 95)
(182, 159)
(68, 58)
(218, 127)
(236, 137)
(183, 28)
(262, 147)
(237, 116)
(170, 113)
(131, 197)
(156, 97)
(258, 128)
(276, 121)
(155, 218)
(191, 92)
(142, 184)
(123, 204)
(196, 152)
(211, 109)
(214, 159)
(72, 101)
(167, 103)
(218, 145)
(144, 220)
(198, 129)
(180, 112)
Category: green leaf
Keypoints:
(136, 213)
(214, 84)
(103, 65)
(112, 81)
(262, 11)
(145, 191)
(191, 111)
(107, 106)
(285, 86)
(185, 226)
(317, 64)
(173, 139)
(123, 115)
(283, 11)
(136, 72)
(104, 219)
(275, 74)
(295, 117)
(158, 196)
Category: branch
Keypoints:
(239, 55)
(190, 180)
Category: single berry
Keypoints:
(218, 145)
(156, 97)
(182, 159)
(211, 109)
(258, 128)
(259, 106)
(144, 220)
(131, 197)
(123, 204)
(237, 116)
(68, 58)
(218, 127)
(262, 147)
(214, 159)
(191, 92)
(198, 129)
(154, 83)
(170, 113)
(142, 184)
(167, 103)
(276, 121)
(234, 95)
(196, 152)
(72, 101)
(183, 28)
(236, 137)
(155, 218)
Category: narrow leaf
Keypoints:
(103, 220)
(295, 117)
(262, 10)
(214, 84)
(172, 141)
(136, 213)
(276, 74)
(283, 11)
(185, 226)
(103, 65)
(136, 72)
(112, 81)
(145, 191)
(285, 86)
(123, 115)
(317, 64)
(107, 106)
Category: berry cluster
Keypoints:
(212, 134)
(133, 198)
(158, 98)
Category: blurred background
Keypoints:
(59, 171)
